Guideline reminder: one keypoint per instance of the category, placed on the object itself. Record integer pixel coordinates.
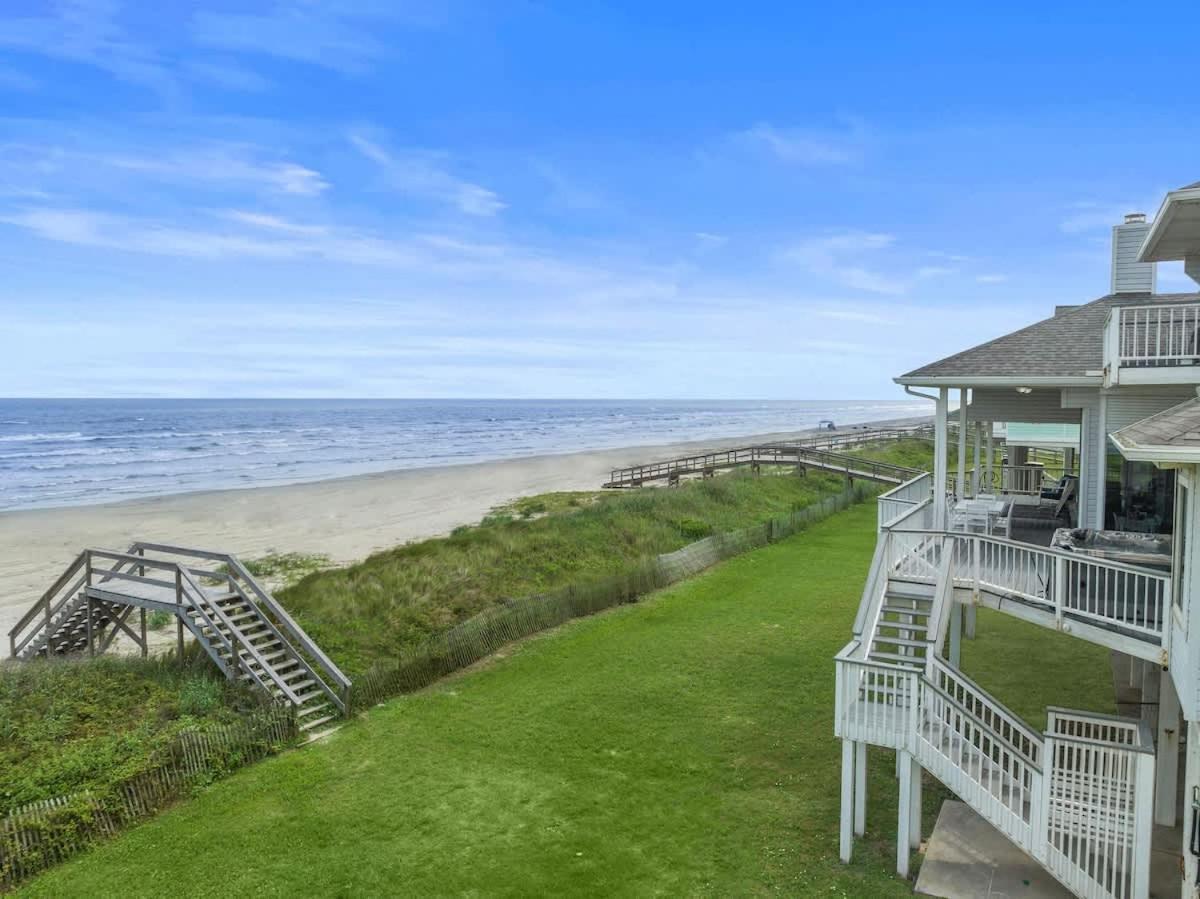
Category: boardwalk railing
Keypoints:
(706, 464)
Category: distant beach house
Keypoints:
(1098, 541)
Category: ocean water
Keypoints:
(73, 452)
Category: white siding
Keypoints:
(1005, 404)
(1129, 404)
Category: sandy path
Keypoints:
(345, 518)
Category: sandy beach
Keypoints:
(344, 518)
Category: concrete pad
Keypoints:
(967, 858)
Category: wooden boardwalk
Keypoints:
(818, 453)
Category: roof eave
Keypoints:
(1162, 222)
(916, 380)
(1178, 455)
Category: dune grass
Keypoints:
(679, 746)
(86, 725)
(394, 600)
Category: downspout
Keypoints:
(927, 396)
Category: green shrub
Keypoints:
(158, 619)
(199, 696)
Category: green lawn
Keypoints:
(679, 746)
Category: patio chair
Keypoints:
(1048, 513)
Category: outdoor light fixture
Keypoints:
(1024, 390)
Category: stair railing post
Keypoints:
(1143, 825)
(1039, 815)
(87, 582)
(1060, 589)
(179, 613)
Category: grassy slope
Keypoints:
(681, 746)
(397, 598)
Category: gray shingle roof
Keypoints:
(1177, 427)
(1067, 345)
(1190, 186)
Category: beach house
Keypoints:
(1096, 541)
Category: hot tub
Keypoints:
(1144, 550)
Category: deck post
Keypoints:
(978, 433)
(956, 616)
(991, 455)
(846, 834)
(1191, 787)
(860, 788)
(940, 459)
(1166, 776)
(1151, 678)
(960, 491)
(904, 824)
(969, 622)
(914, 821)
(91, 613)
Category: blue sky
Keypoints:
(588, 200)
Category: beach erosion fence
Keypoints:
(41, 834)
(482, 635)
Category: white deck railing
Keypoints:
(899, 500)
(1099, 592)
(1165, 334)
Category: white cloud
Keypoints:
(227, 75)
(803, 146)
(420, 175)
(991, 279)
(334, 35)
(854, 315)
(87, 32)
(228, 164)
(837, 257)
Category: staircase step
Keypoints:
(309, 710)
(896, 657)
(915, 611)
(898, 641)
(309, 725)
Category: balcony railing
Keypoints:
(1165, 336)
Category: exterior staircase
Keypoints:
(1077, 798)
(242, 628)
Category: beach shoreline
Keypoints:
(346, 518)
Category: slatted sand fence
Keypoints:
(41, 834)
(484, 634)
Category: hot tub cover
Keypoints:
(1147, 550)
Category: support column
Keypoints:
(1191, 785)
(961, 485)
(976, 477)
(179, 639)
(846, 833)
(860, 788)
(145, 645)
(940, 453)
(904, 824)
(1151, 677)
(1166, 769)
(914, 809)
(956, 617)
(991, 456)
(969, 622)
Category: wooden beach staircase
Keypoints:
(106, 594)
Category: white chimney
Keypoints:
(1129, 275)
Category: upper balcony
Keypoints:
(1152, 344)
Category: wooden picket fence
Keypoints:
(483, 634)
(42, 834)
